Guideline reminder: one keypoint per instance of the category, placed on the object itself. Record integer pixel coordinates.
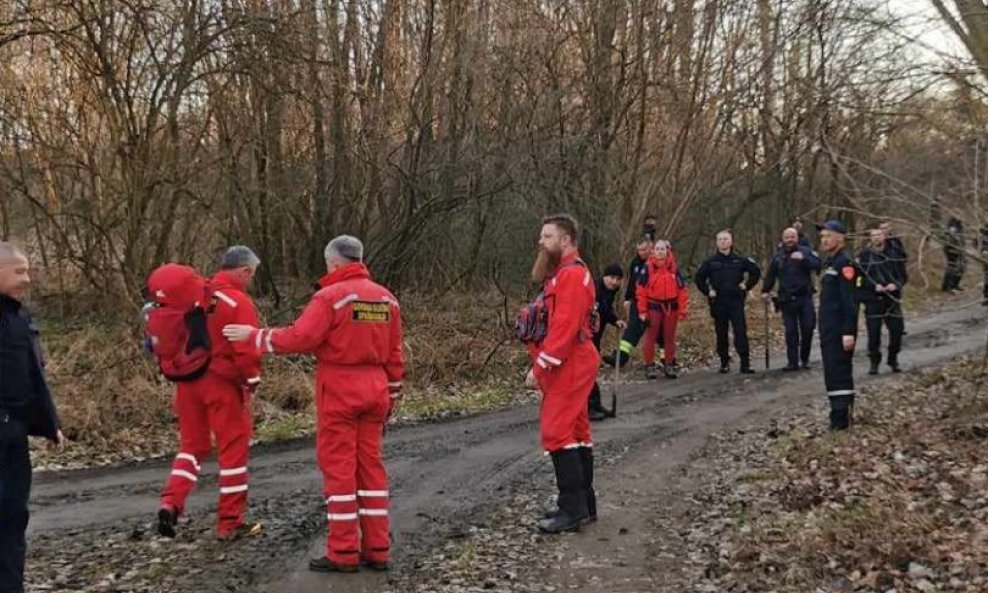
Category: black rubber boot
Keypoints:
(586, 462)
(572, 499)
(841, 411)
(167, 521)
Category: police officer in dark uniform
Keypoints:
(838, 323)
(882, 277)
(726, 277)
(26, 409)
(793, 264)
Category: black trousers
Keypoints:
(954, 272)
(799, 317)
(730, 313)
(15, 489)
(838, 377)
(888, 312)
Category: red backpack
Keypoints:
(176, 322)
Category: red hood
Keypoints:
(176, 285)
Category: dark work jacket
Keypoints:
(838, 311)
(636, 267)
(23, 388)
(877, 268)
(605, 307)
(725, 273)
(795, 276)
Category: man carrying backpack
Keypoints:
(216, 401)
(353, 326)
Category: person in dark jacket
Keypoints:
(607, 288)
(880, 291)
(26, 409)
(726, 277)
(793, 265)
(803, 240)
(636, 329)
(648, 228)
(953, 250)
(838, 324)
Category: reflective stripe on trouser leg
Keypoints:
(194, 444)
(336, 451)
(372, 492)
(230, 418)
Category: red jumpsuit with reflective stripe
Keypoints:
(218, 403)
(565, 363)
(353, 326)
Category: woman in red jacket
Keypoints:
(662, 301)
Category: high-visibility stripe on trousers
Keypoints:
(217, 406)
(352, 409)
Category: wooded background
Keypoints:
(134, 132)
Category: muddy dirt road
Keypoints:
(444, 476)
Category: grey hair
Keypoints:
(9, 251)
(239, 256)
(345, 247)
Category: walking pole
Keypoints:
(617, 375)
(765, 302)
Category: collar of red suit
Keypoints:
(347, 272)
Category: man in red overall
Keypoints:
(564, 366)
(353, 326)
(218, 402)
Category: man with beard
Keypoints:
(793, 264)
(726, 277)
(564, 367)
(880, 290)
(838, 324)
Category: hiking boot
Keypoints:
(375, 566)
(894, 365)
(725, 367)
(789, 368)
(651, 372)
(671, 371)
(326, 565)
(167, 521)
(240, 531)
(597, 414)
(746, 369)
(875, 361)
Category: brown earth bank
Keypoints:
(465, 492)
